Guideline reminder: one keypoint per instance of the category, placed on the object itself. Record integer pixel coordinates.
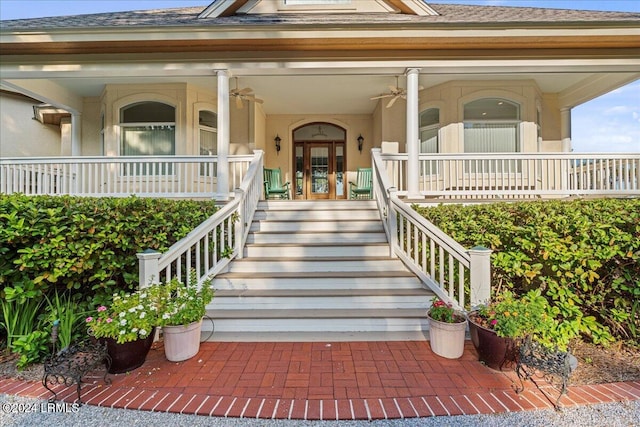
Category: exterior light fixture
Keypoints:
(277, 139)
(360, 142)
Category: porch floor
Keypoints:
(321, 381)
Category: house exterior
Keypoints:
(314, 84)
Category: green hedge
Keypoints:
(88, 245)
(584, 255)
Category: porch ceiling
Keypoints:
(310, 91)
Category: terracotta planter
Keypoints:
(447, 339)
(496, 352)
(182, 342)
(130, 355)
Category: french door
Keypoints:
(319, 170)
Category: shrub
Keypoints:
(583, 255)
(88, 245)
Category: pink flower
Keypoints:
(494, 322)
(89, 319)
(109, 320)
(102, 308)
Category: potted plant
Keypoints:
(128, 328)
(496, 328)
(180, 315)
(447, 328)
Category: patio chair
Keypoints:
(362, 188)
(273, 186)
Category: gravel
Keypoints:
(22, 411)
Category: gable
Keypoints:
(240, 7)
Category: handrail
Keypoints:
(455, 274)
(211, 246)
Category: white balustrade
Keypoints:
(208, 248)
(144, 176)
(519, 175)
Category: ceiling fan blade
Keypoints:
(238, 102)
(258, 100)
(245, 91)
(394, 89)
(393, 101)
(386, 95)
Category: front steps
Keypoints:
(317, 271)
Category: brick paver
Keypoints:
(322, 381)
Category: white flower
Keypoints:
(143, 295)
(122, 314)
(142, 315)
(165, 316)
(134, 330)
(122, 332)
(132, 309)
(143, 332)
(123, 322)
(140, 307)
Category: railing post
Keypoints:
(239, 223)
(480, 272)
(149, 270)
(392, 223)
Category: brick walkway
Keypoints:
(321, 381)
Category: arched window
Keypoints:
(208, 139)
(429, 126)
(148, 129)
(491, 126)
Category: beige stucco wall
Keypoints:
(20, 134)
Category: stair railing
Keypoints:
(211, 246)
(455, 274)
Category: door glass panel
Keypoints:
(320, 170)
(339, 170)
(299, 170)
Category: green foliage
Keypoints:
(182, 304)
(87, 245)
(443, 312)
(583, 255)
(20, 310)
(129, 317)
(32, 348)
(71, 315)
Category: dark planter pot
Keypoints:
(130, 355)
(496, 352)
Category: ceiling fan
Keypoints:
(396, 93)
(244, 94)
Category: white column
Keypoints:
(565, 129)
(413, 134)
(76, 134)
(223, 135)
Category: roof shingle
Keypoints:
(449, 14)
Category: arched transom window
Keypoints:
(148, 129)
(491, 126)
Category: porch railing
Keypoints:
(519, 175)
(213, 244)
(452, 272)
(148, 176)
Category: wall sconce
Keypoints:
(277, 139)
(360, 141)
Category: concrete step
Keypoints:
(305, 266)
(275, 205)
(322, 298)
(318, 320)
(324, 281)
(304, 238)
(317, 214)
(316, 226)
(316, 250)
